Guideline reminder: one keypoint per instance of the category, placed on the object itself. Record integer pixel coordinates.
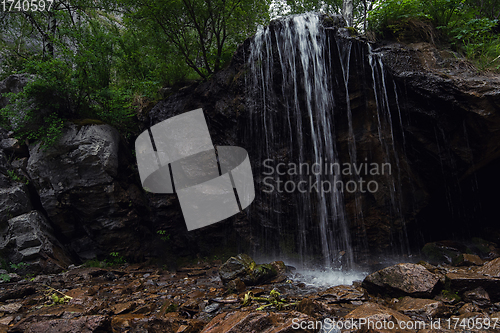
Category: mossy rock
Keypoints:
(240, 266)
(437, 253)
(263, 272)
(244, 268)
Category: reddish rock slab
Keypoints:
(372, 317)
(491, 268)
(85, 324)
(343, 294)
(419, 308)
(262, 322)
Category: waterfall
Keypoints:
(384, 118)
(298, 92)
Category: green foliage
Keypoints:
(274, 299)
(451, 295)
(475, 38)
(35, 112)
(459, 23)
(204, 33)
(116, 259)
(388, 15)
(18, 266)
(56, 299)
(13, 175)
(163, 235)
(11, 267)
(95, 263)
(172, 307)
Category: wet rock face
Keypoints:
(14, 195)
(14, 201)
(452, 112)
(438, 127)
(402, 279)
(90, 204)
(29, 238)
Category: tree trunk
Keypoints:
(52, 26)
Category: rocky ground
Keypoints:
(240, 296)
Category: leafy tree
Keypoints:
(204, 32)
(71, 65)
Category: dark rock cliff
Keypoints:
(431, 116)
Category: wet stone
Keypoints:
(343, 293)
(478, 296)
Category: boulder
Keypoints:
(468, 308)
(371, 313)
(29, 238)
(12, 145)
(88, 201)
(84, 156)
(14, 195)
(463, 281)
(491, 268)
(466, 259)
(235, 267)
(419, 308)
(314, 308)
(402, 279)
(236, 285)
(343, 294)
(244, 268)
(442, 252)
(262, 322)
(478, 296)
(14, 201)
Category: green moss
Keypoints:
(352, 31)
(451, 295)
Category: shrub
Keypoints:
(55, 93)
(457, 21)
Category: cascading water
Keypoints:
(298, 87)
(384, 118)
